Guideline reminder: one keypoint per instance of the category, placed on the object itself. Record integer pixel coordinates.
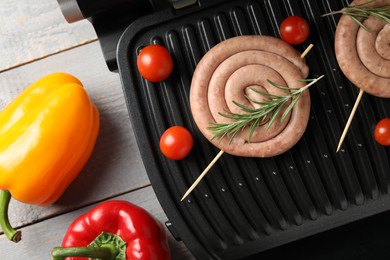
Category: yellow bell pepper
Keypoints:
(47, 134)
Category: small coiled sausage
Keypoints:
(229, 71)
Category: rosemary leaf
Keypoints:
(280, 86)
(275, 114)
(290, 107)
(243, 108)
(359, 22)
(253, 128)
(268, 95)
(363, 12)
(365, 3)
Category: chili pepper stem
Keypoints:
(9, 231)
(107, 252)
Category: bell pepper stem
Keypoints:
(103, 253)
(9, 231)
(106, 246)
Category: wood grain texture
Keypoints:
(115, 166)
(35, 40)
(32, 29)
(40, 238)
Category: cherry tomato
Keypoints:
(382, 132)
(154, 63)
(294, 30)
(176, 142)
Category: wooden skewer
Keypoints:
(202, 174)
(205, 171)
(355, 106)
(306, 51)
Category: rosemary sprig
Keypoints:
(254, 117)
(359, 11)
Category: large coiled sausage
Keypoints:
(364, 56)
(228, 72)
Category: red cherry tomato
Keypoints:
(294, 30)
(176, 143)
(154, 63)
(382, 132)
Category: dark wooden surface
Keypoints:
(35, 40)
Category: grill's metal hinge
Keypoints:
(179, 4)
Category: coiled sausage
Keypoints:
(364, 56)
(229, 71)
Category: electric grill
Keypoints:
(244, 206)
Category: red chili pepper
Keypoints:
(114, 230)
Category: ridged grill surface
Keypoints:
(248, 205)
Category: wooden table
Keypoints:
(35, 40)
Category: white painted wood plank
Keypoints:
(32, 29)
(115, 166)
(40, 238)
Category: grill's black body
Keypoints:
(245, 206)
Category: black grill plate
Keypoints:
(248, 205)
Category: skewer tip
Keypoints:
(184, 196)
(306, 51)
